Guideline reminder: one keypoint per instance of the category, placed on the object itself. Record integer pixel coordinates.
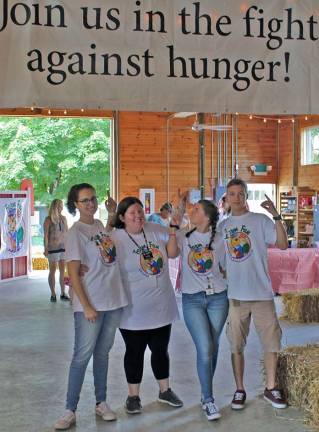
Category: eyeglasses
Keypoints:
(86, 201)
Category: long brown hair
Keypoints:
(54, 214)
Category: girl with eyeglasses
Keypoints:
(98, 301)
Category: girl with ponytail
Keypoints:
(204, 294)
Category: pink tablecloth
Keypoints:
(290, 270)
(293, 269)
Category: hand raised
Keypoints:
(110, 203)
(269, 206)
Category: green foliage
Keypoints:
(315, 153)
(55, 153)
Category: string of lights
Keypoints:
(49, 111)
(265, 119)
(280, 120)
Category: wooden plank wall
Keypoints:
(257, 144)
(285, 178)
(155, 152)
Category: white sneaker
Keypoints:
(211, 410)
(104, 411)
(66, 421)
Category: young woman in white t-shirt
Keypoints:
(204, 294)
(143, 250)
(98, 302)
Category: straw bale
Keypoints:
(40, 263)
(301, 306)
(298, 376)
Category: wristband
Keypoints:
(172, 234)
(276, 218)
(174, 226)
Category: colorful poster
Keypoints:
(14, 227)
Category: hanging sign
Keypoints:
(161, 55)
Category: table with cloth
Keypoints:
(294, 269)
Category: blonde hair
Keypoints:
(54, 214)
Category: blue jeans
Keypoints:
(205, 316)
(91, 338)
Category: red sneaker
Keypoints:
(275, 397)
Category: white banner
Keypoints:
(161, 55)
(14, 227)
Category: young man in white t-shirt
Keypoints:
(247, 236)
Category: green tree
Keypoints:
(55, 153)
(315, 151)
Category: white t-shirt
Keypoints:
(94, 247)
(246, 239)
(200, 265)
(152, 302)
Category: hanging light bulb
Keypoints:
(65, 112)
(265, 120)
(292, 120)
(49, 112)
(32, 108)
(306, 118)
(250, 117)
(279, 121)
(82, 110)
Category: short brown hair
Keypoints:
(238, 182)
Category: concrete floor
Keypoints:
(36, 347)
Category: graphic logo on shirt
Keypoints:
(238, 243)
(151, 259)
(200, 259)
(106, 248)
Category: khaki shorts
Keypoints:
(266, 323)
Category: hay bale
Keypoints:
(301, 306)
(40, 263)
(298, 376)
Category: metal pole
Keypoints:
(201, 142)
(232, 147)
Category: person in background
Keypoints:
(246, 238)
(163, 217)
(98, 301)
(223, 208)
(204, 293)
(143, 250)
(55, 226)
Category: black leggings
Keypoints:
(136, 342)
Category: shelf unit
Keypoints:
(305, 218)
(288, 210)
(297, 214)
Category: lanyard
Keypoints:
(144, 247)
